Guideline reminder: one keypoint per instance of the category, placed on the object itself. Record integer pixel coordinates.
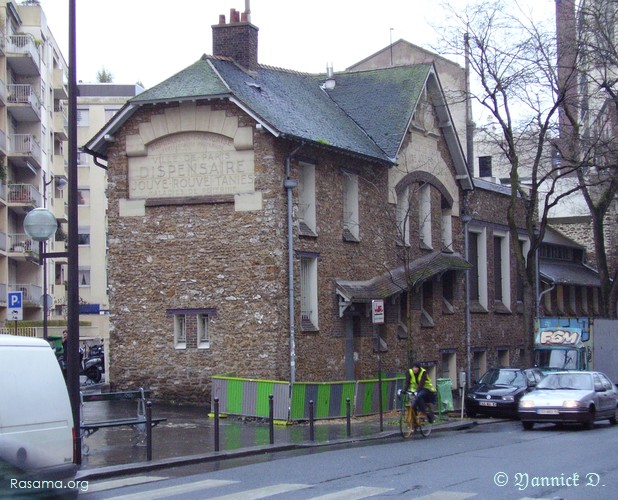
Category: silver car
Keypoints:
(570, 397)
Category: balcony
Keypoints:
(60, 166)
(3, 148)
(22, 103)
(25, 151)
(2, 92)
(59, 83)
(31, 294)
(22, 54)
(4, 242)
(23, 197)
(21, 247)
(61, 211)
(61, 124)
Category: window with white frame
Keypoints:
(192, 327)
(180, 331)
(584, 299)
(83, 159)
(83, 196)
(424, 216)
(477, 248)
(503, 358)
(427, 304)
(83, 236)
(110, 112)
(84, 277)
(203, 336)
(351, 221)
(307, 203)
(479, 365)
(83, 117)
(448, 292)
(502, 269)
(447, 229)
(403, 216)
(309, 292)
(448, 365)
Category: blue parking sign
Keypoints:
(15, 299)
(15, 302)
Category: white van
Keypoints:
(36, 422)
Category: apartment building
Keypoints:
(33, 163)
(96, 105)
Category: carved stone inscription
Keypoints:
(191, 164)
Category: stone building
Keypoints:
(242, 195)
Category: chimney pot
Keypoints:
(236, 40)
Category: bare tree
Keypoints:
(512, 61)
(590, 124)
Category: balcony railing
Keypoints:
(28, 103)
(24, 45)
(25, 145)
(22, 243)
(31, 294)
(24, 194)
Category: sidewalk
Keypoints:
(188, 437)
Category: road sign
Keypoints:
(15, 302)
(377, 312)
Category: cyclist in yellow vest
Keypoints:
(418, 381)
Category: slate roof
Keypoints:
(366, 114)
(396, 280)
(568, 273)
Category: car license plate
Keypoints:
(487, 403)
(548, 412)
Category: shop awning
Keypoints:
(399, 279)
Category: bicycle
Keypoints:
(411, 421)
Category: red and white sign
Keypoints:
(377, 312)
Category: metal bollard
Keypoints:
(347, 417)
(216, 424)
(311, 430)
(148, 431)
(272, 419)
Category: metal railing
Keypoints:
(25, 144)
(23, 93)
(24, 193)
(21, 243)
(31, 294)
(22, 44)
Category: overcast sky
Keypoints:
(151, 40)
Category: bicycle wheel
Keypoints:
(423, 426)
(405, 422)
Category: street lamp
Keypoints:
(40, 224)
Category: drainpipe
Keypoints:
(466, 220)
(289, 185)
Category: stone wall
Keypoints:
(214, 256)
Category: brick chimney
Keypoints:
(237, 39)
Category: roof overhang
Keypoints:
(399, 279)
(568, 273)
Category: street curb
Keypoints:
(133, 468)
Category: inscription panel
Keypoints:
(191, 164)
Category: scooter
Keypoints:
(97, 351)
(89, 367)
